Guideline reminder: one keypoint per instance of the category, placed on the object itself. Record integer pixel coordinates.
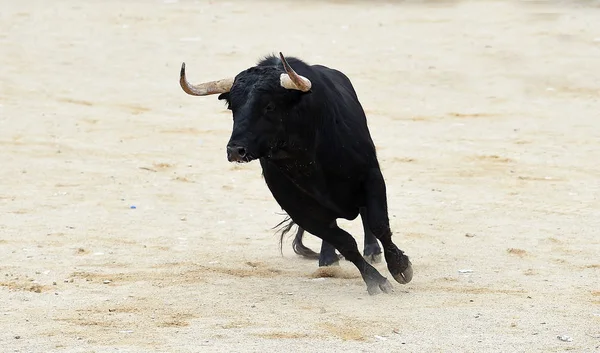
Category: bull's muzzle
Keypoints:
(236, 153)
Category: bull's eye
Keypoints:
(269, 107)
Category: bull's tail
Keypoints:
(300, 249)
(285, 226)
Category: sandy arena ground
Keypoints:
(486, 116)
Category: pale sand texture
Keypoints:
(487, 120)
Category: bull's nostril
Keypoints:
(241, 152)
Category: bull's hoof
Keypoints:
(372, 253)
(376, 288)
(405, 276)
(330, 261)
(373, 258)
(329, 264)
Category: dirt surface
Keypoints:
(486, 116)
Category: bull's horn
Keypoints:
(206, 88)
(291, 80)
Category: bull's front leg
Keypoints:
(346, 245)
(398, 263)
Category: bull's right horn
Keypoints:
(206, 88)
(291, 80)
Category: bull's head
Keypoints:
(259, 99)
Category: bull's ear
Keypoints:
(224, 96)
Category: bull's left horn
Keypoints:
(206, 88)
(291, 80)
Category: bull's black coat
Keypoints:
(317, 157)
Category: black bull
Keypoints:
(306, 126)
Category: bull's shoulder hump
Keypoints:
(329, 71)
(338, 79)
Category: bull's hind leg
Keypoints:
(377, 218)
(372, 251)
(327, 256)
